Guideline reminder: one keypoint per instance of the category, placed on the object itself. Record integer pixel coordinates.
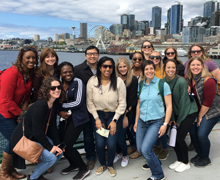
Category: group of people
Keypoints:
(108, 101)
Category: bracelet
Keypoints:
(165, 124)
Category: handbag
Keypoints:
(28, 149)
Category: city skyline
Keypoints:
(47, 18)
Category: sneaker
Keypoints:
(90, 164)
(163, 154)
(182, 167)
(135, 155)
(145, 167)
(81, 174)
(157, 150)
(100, 170)
(69, 170)
(175, 165)
(195, 158)
(131, 150)
(124, 161)
(151, 178)
(202, 162)
(117, 157)
(111, 171)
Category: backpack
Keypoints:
(217, 83)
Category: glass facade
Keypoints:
(176, 21)
(209, 7)
(124, 21)
(156, 17)
(131, 20)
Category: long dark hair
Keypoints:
(113, 77)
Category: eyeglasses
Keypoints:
(149, 46)
(53, 88)
(109, 66)
(29, 49)
(139, 59)
(198, 51)
(152, 57)
(168, 53)
(90, 54)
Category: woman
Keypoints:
(146, 48)
(36, 129)
(151, 118)
(15, 90)
(123, 70)
(208, 104)
(48, 68)
(106, 101)
(171, 53)
(72, 126)
(183, 115)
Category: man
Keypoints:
(84, 71)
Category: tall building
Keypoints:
(175, 21)
(131, 20)
(209, 7)
(55, 37)
(168, 21)
(185, 35)
(36, 37)
(124, 21)
(66, 36)
(215, 19)
(83, 30)
(112, 29)
(118, 29)
(156, 17)
(196, 34)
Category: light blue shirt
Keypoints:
(151, 105)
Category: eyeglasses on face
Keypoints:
(139, 59)
(198, 51)
(29, 49)
(53, 88)
(107, 66)
(90, 54)
(152, 57)
(149, 46)
(168, 53)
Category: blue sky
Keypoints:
(24, 18)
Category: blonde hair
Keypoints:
(160, 64)
(204, 71)
(129, 74)
(176, 54)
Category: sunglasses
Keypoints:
(29, 49)
(53, 88)
(139, 59)
(152, 57)
(149, 46)
(168, 53)
(198, 51)
(109, 66)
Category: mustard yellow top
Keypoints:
(158, 73)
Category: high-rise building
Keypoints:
(118, 29)
(55, 37)
(112, 29)
(175, 20)
(156, 17)
(124, 21)
(131, 20)
(66, 36)
(209, 7)
(36, 37)
(215, 19)
(185, 35)
(83, 30)
(196, 34)
(168, 21)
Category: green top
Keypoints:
(182, 106)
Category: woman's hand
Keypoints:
(112, 127)
(56, 149)
(199, 120)
(135, 127)
(98, 123)
(125, 122)
(162, 130)
(64, 114)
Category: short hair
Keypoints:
(146, 63)
(65, 63)
(132, 54)
(169, 60)
(92, 47)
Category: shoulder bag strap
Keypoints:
(48, 120)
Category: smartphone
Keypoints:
(61, 146)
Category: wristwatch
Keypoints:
(165, 124)
(115, 120)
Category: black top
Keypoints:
(131, 97)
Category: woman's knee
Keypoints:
(50, 158)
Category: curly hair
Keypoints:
(44, 91)
(19, 65)
(65, 63)
(132, 54)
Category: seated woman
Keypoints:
(106, 101)
(184, 113)
(208, 103)
(72, 126)
(36, 129)
(151, 118)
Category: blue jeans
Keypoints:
(48, 159)
(146, 137)
(199, 136)
(89, 144)
(7, 126)
(101, 142)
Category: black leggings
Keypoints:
(69, 134)
(181, 147)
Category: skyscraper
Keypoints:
(175, 20)
(156, 17)
(131, 20)
(36, 37)
(83, 30)
(209, 7)
(124, 21)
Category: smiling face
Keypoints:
(92, 57)
(28, 60)
(55, 93)
(137, 60)
(170, 54)
(170, 70)
(122, 68)
(50, 59)
(66, 73)
(149, 71)
(196, 67)
(155, 58)
(106, 69)
(147, 48)
(196, 51)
